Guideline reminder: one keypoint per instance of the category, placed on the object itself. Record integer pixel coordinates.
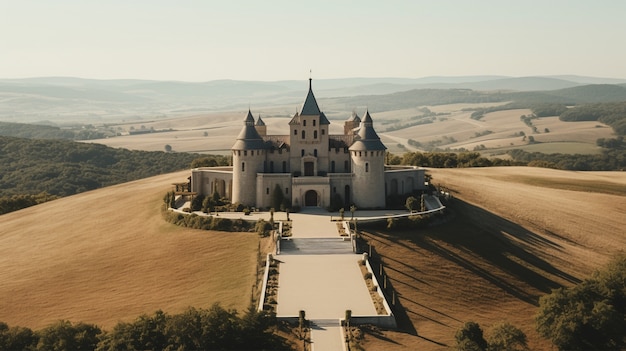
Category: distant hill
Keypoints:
(419, 97)
(66, 99)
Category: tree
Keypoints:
(62, 335)
(411, 204)
(590, 315)
(16, 338)
(168, 148)
(470, 338)
(506, 337)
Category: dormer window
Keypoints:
(304, 122)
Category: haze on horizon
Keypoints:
(195, 40)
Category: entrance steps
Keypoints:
(326, 334)
(315, 246)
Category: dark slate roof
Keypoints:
(366, 137)
(249, 138)
(310, 107)
(336, 143)
(354, 118)
(259, 122)
(323, 119)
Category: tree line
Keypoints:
(215, 328)
(608, 160)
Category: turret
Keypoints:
(260, 127)
(351, 124)
(249, 152)
(367, 153)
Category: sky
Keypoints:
(270, 40)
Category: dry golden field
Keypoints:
(517, 232)
(107, 255)
(215, 132)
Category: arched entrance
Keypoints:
(310, 198)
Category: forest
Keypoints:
(33, 171)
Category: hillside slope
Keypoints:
(517, 232)
(106, 256)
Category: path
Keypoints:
(320, 275)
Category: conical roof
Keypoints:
(259, 122)
(354, 117)
(366, 137)
(310, 107)
(249, 138)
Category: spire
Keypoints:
(249, 119)
(249, 138)
(259, 122)
(366, 137)
(310, 107)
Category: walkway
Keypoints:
(320, 275)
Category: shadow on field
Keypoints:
(493, 248)
(505, 245)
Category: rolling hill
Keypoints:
(106, 255)
(515, 233)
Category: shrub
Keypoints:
(262, 227)
(470, 337)
(220, 223)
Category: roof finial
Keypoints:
(310, 78)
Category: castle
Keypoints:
(309, 167)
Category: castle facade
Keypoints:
(309, 167)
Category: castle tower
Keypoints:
(260, 127)
(367, 153)
(351, 124)
(309, 138)
(249, 152)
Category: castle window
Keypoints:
(346, 166)
(304, 123)
(315, 152)
(295, 132)
(367, 166)
(332, 166)
(245, 152)
(323, 131)
(303, 134)
(284, 166)
(302, 152)
(334, 189)
(271, 166)
(315, 134)
(243, 166)
(286, 190)
(267, 191)
(313, 123)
